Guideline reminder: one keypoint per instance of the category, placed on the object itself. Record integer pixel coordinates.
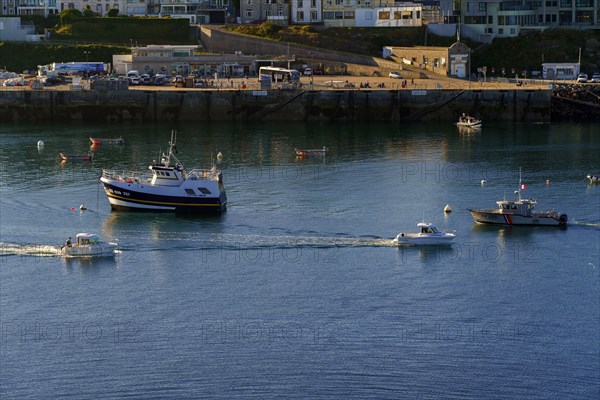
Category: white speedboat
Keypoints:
(428, 235)
(466, 121)
(518, 212)
(169, 187)
(88, 245)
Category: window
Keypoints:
(300, 16)
(204, 190)
(339, 15)
(249, 13)
(482, 7)
(249, 2)
(313, 4)
(500, 31)
(313, 15)
(328, 15)
(300, 4)
(190, 192)
(384, 15)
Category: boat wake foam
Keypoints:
(11, 249)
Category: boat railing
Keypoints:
(203, 174)
(121, 176)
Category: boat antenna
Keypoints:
(518, 192)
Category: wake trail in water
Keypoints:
(12, 249)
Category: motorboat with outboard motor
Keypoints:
(88, 245)
(594, 178)
(428, 235)
(518, 212)
(169, 188)
(311, 152)
(466, 121)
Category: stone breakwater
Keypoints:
(270, 105)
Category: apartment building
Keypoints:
(485, 20)
(197, 11)
(306, 12)
(277, 11)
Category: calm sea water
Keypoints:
(297, 291)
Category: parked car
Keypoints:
(596, 78)
(582, 78)
(395, 75)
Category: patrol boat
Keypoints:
(518, 212)
(169, 187)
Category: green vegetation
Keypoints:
(529, 51)
(123, 29)
(23, 56)
(354, 40)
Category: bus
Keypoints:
(286, 77)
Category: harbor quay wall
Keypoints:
(264, 105)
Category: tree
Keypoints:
(88, 13)
(69, 15)
(113, 12)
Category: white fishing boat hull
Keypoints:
(493, 216)
(98, 249)
(420, 239)
(474, 125)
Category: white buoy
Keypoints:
(483, 181)
(40, 144)
(82, 207)
(220, 156)
(447, 209)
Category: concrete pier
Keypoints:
(258, 105)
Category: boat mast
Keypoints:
(518, 192)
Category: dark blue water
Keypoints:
(297, 291)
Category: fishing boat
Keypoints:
(466, 121)
(518, 212)
(88, 245)
(169, 187)
(311, 152)
(593, 178)
(76, 157)
(99, 141)
(427, 235)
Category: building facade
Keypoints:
(485, 20)
(306, 12)
(198, 11)
(277, 11)
(183, 60)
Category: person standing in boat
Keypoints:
(68, 242)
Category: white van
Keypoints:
(133, 73)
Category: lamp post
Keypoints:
(86, 55)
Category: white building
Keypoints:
(12, 30)
(404, 15)
(306, 12)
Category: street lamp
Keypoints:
(86, 55)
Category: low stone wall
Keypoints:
(249, 105)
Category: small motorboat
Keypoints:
(88, 245)
(311, 152)
(76, 157)
(99, 141)
(593, 178)
(428, 235)
(466, 121)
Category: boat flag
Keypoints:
(523, 187)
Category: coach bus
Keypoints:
(288, 78)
